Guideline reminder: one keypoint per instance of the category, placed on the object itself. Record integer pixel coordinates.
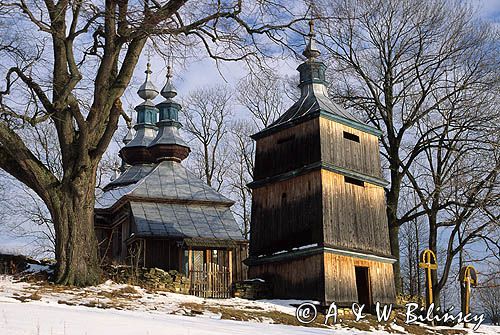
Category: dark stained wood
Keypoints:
(301, 197)
(301, 278)
(354, 216)
(287, 150)
(286, 214)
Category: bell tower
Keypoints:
(319, 226)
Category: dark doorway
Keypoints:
(363, 287)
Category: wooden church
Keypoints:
(159, 214)
(319, 226)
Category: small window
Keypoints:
(286, 139)
(351, 137)
(354, 181)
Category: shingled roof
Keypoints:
(314, 98)
(178, 221)
(168, 180)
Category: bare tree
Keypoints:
(456, 176)
(488, 295)
(263, 95)
(207, 114)
(396, 62)
(412, 242)
(70, 62)
(241, 171)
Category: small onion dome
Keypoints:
(168, 91)
(129, 136)
(168, 144)
(136, 151)
(148, 90)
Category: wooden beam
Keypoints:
(230, 257)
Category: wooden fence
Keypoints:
(213, 282)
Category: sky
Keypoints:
(203, 72)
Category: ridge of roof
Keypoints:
(167, 180)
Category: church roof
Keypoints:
(184, 221)
(314, 98)
(166, 181)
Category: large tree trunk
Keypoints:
(392, 218)
(76, 246)
(436, 290)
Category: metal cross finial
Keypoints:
(169, 71)
(311, 27)
(311, 51)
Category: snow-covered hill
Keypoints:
(120, 309)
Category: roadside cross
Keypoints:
(468, 276)
(428, 262)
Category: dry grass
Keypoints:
(126, 292)
(248, 314)
(24, 298)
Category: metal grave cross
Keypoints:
(468, 276)
(428, 262)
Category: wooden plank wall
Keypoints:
(162, 254)
(354, 216)
(301, 278)
(362, 157)
(287, 150)
(286, 214)
(240, 270)
(340, 280)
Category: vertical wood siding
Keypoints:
(301, 278)
(354, 216)
(362, 157)
(286, 214)
(287, 150)
(340, 280)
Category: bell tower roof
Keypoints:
(314, 99)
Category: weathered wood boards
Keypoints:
(318, 185)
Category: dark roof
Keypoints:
(314, 98)
(168, 180)
(184, 221)
(131, 175)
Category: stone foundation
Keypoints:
(150, 278)
(251, 289)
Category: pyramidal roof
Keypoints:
(314, 97)
(168, 181)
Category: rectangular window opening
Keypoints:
(351, 137)
(354, 181)
(285, 139)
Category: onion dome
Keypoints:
(135, 151)
(126, 140)
(311, 71)
(168, 144)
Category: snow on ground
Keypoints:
(46, 318)
(111, 308)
